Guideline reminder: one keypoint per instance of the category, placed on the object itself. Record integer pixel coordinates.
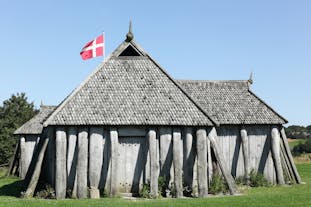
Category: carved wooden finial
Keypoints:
(250, 80)
(129, 35)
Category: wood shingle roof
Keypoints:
(231, 102)
(129, 90)
(35, 124)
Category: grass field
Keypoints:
(293, 142)
(295, 195)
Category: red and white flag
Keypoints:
(93, 48)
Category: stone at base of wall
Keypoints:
(94, 192)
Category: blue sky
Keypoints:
(201, 39)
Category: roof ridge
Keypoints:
(209, 81)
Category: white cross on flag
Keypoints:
(93, 48)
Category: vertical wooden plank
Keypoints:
(23, 169)
(72, 156)
(154, 163)
(202, 162)
(114, 161)
(51, 157)
(212, 136)
(275, 149)
(245, 149)
(209, 161)
(177, 160)
(105, 181)
(61, 171)
(188, 156)
(96, 160)
(82, 163)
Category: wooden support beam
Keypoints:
(60, 171)
(36, 173)
(23, 169)
(202, 162)
(276, 155)
(245, 149)
(177, 160)
(114, 161)
(82, 163)
(14, 159)
(290, 157)
(72, 157)
(96, 159)
(212, 136)
(188, 155)
(209, 162)
(154, 163)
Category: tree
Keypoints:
(14, 113)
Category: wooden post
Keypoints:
(82, 163)
(212, 136)
(245, 150)
(36, 173)
(96, 160)
(14, 159)
(188, 155)
(51, 156)
(177, 160)
(290, 157)
(275, 148)
(166, 153)
(154, 163)
(195, 190)
(61, 173)
(22, 172)
(71, 157)
(209, 162)
(202, 162)
(114, 162)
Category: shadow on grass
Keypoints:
(12, 189)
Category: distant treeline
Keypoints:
(298, 132)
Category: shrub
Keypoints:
(145, 191)
(257, 179)
(162, 186)
(217, 185)
(302, 148)
(47, 193)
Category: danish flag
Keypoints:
(93, 48)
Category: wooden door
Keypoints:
(131, 164)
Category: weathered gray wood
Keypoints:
(131, 132)
(209, 162)
(82, 163)
(189, 149)
(166, 152)
(195, 190)
(202, 162)
(36, 173)
(154, 163)
(60, 172)
(114, 162)
(177, 160)
(96, 160)
(23, 170)
(14, 159)
(275, 149)
(245, 150)
(72, 156)
(51, 155)
(290, 157)
(212, 136)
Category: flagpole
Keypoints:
(104, 42)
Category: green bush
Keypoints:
(217, 185)
(145, 191)
(302, 148)
(47, 193)
(162, 186)
(257, 179)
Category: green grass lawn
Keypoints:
(295, 195)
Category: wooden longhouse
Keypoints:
(130, 122)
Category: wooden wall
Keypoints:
(120, 160)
